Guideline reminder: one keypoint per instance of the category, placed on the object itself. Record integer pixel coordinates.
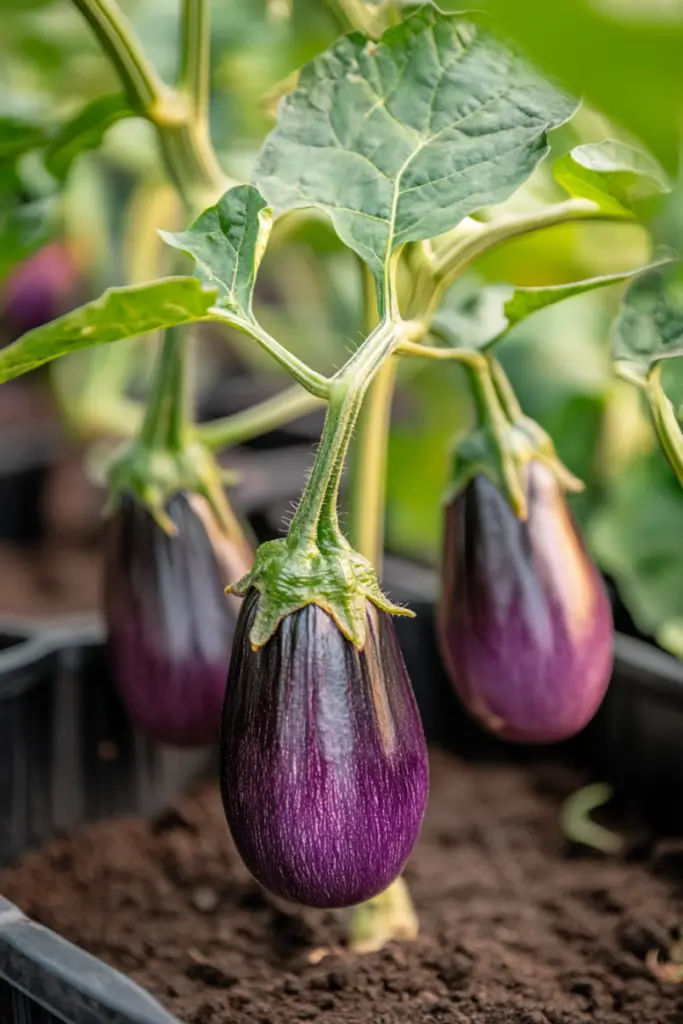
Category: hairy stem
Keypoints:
(316, 518)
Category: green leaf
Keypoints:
(482, 318)
(612, 174)
(18, 136)
(525, 301)
(85, 131)
(650, 326)
(118, 313)
(400, 140)
(629, 67)
(24, 228)
(638, 542)
(227, 242)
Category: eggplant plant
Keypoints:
(408, 134)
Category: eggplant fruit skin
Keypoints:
(40, 288)
(524, 622)
(324, 770)
(169, 620)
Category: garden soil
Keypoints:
(517, 927)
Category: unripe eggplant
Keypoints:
(170, 623)
(524, 623)
(324, 769)
(40, 288)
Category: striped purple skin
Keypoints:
(524, 625)
(324, 770)
(170, 623)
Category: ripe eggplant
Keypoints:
(170, 623)
(324, 763)
(524, 624)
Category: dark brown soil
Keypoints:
(515, 929)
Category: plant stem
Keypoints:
(185, 144)
(166, 421)
(369, 456)
(273, 412)
(447, 265)
(146, 91)
(195, 70)
(316, 518)
(369, 467)
(303, 374)
(506, 394)
(665, 421)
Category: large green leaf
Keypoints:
(227, 242)
(401, 139)
(118, 313)
(650, 326)
(480, 319)
(85, 131)
(612, 174)
(624, 57)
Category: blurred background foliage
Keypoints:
(626, 56)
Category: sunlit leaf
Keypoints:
(650, 325)
(399, 140)
(119, 313)
(612, 174)
(227, 242)
(85, 131)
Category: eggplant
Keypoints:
(170, 623)
(40, 288)
(524, 621)
(324, 771)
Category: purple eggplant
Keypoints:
(41, 288)
(324, 767)
(170, 623)
(524, 624)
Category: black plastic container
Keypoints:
(25, 466)
(68, 752)
(44, 979)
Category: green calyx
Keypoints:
(504, 443)
(153, 474)
(290, 576)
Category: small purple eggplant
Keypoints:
(323, 759)
(524, 625)
(170, 623)
(40, 288)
